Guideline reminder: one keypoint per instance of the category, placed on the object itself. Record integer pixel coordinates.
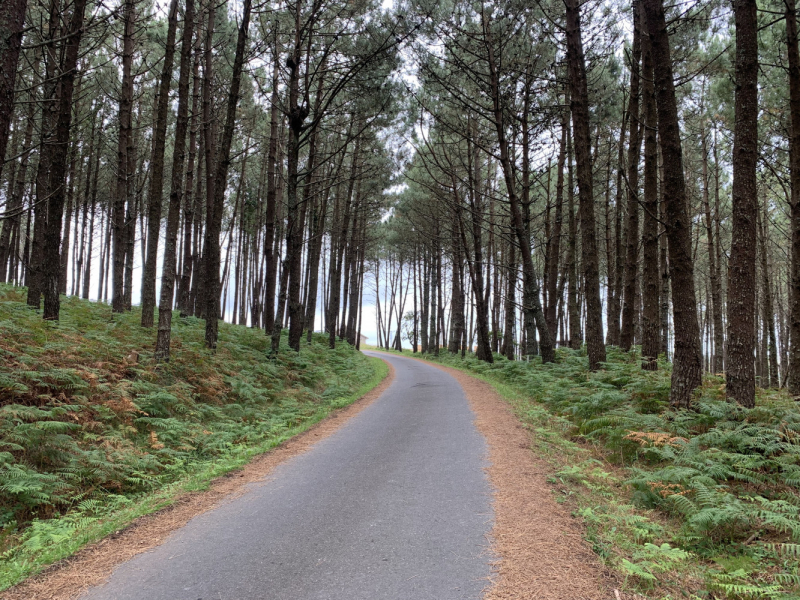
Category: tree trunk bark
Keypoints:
(315, 252)
(69, 210)
(269, 230)
(34, 276)
(425, 301)
(650, 275)
(768, 307)
(741, 384)
(615, 273)
(716, 296)
(168, 272)
(87, 275)
(794, 165)
(188, 265)
(214, 222)
(511, 284)
(58, 167)
(124, 177)
(157, 171)
(573, 312)
(686, 372)
(296, 114)
(12, 20)
(554, 239)
(632, 188)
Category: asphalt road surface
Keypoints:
(394, 505)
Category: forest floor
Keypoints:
(95, 435)
(690, 504)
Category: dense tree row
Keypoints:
(580, 180)
(225, 155)
(578, 175)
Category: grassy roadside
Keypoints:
(94, 434)
(690, 504)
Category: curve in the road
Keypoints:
(394, 505)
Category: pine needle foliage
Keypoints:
(89, 422)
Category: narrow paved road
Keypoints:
(393, 506)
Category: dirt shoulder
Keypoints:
(540, 547)
(68, 579)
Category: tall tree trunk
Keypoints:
(425, 300)
(209, 150)
(70, 209)
(554, 239)
(337, 255)
(716, 295)
(508, 333)
(12, 20)
(298, 210)
(632, 188)
(415, 333)
(214, 222)
(440, 330)
(719, 336)
(663, 267)
(768, 312)
(157, 171)
(297, 111)
(686, 372)
(355, 287)
(528, 319)
(26, 250)
(135, 202)
(189, 265)
(168, 272)
(350, 253)
(433, 332)
(269, 230)
(124, 176)
(58, 167)
(741, 383)
(575, 337)
(134, 209)
(615, 273)
(105, 250)
(34, 276)
(456, 287)
(349, 261)
(476, 264)
(87, 275)
(650, 275)
(530, 287)
(315, 252)
(794, 165)
(81, 256)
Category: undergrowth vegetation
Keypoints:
(90, 424)
(700, 503)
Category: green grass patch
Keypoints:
(703, 503)
(94, 433)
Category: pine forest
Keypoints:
(597, 202)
